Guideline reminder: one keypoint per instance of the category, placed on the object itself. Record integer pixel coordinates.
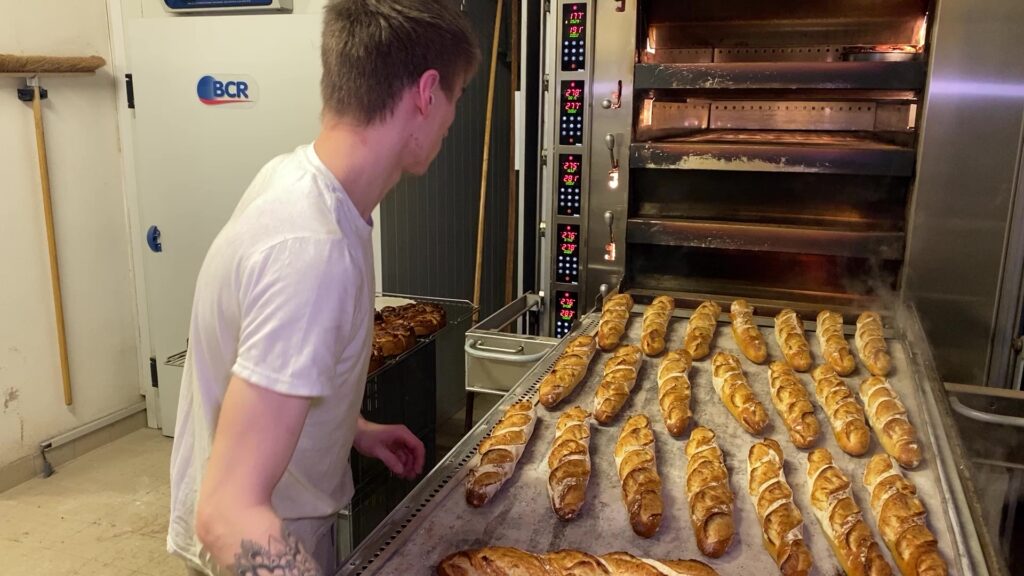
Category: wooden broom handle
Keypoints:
(44, 179)
(486, 162)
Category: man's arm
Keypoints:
(256, 434)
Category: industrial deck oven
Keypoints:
(713, 151)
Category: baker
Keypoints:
(282, 317)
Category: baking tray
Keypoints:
(436, 521)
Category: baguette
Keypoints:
(701, 329)
(674, 391)
(568, 372)
(499, 453)
(614, 316)
(834, 346)
(781, 521)
(638, 472)
(793, 404)
(732, 387)
(871, 346)
(789, 331)
(901, 519)
(845, 415)
(708, 493)
(888, 417)
(569, 463)
(747, 335)
(840, 518)
(500, 561)
(656, 317)
(620, 373)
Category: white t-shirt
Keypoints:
(284, 300)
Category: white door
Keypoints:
(194, 159)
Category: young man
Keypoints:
(283, 310)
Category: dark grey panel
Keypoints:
(971, 141)
(429, 223)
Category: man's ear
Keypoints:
(428, 84)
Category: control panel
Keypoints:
(569, 163)
(574, 37)
(571, 112)
(568, 261)
(570, 170)
(566, 310)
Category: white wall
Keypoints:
(92, 235)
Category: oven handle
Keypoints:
(476, 349)
(982, 416)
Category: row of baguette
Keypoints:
(789, 331)
(900, 514)
(882, 406)
(569, 457)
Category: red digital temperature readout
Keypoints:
(570, 166)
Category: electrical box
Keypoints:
(186, 6)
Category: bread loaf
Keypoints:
(732, 387)
(656, 317)
(789, 331)
(674, 391)
(499, 453)
(781, 521)
(901, 519)
(620, 373)
(638, 472)
(840, 518)
(888, 417)
(569, 463)
(614, 316)
(568, 372)
(746, 333)
(793, 404)
(700, 330)
(834, 346)
(845, 415)
(708, 493)
(871, 346)
(500, 561)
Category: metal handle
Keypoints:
(475, 349)
(981, 416)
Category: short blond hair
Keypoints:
(373, 50)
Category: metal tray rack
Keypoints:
(434, 520)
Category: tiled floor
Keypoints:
(102, 514)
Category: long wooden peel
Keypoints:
(486, 164)
(31, 67)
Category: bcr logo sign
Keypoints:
(239, 91)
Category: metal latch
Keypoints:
(1018, 344)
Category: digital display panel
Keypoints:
(566, 309)
(567, 250)
(570, 184)
(574, 37)
(571, 112)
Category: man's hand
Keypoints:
(394, 445)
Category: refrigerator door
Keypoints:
(216, 98)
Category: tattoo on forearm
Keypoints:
(282, 556)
